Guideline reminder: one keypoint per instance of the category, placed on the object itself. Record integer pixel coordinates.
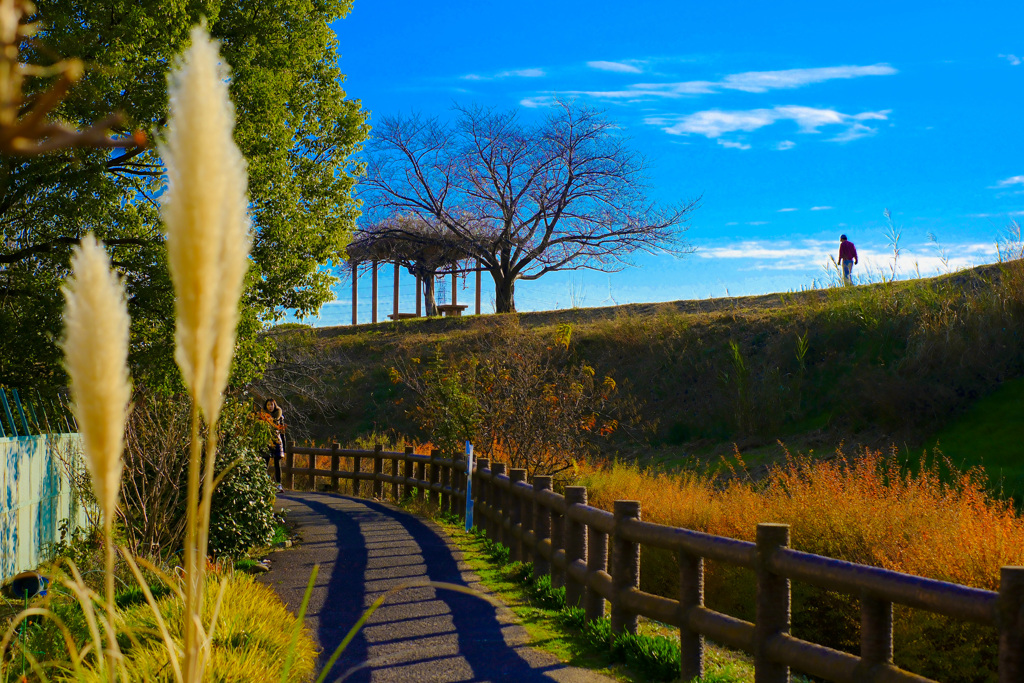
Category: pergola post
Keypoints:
(373, 305)
(419, 298)
(478, 286)
(355, 292)
(455, 295)
(396, 291)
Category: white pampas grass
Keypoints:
(96, 356)
(206, 214)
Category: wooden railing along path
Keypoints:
(595, 554)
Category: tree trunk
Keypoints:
(504, 294)
(429, 302)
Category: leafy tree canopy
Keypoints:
(295, 127)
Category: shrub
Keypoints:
(521, 399)
(243, 503)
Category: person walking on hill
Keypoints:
(847, 257)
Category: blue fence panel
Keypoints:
(35, 498)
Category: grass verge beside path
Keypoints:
(649, 657)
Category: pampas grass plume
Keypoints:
(96, 357)
(206, 214)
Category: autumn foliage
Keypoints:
(521, 399)
(929, 520)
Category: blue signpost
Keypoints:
(469, 486)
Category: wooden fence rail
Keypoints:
(595, 554)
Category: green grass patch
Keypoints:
(988, 435)
(652, 655)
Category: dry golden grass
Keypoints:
(861, 509)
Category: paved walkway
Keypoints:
(364, 548)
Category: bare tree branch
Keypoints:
(527, 200)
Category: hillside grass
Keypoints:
(894, 362)
(989, 435)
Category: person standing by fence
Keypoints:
(275, 416)
(847, 257)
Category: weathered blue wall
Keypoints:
(35, 497)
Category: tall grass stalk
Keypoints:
(100, 388)
(208, 243)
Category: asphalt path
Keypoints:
(366, 548)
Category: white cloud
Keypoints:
(732, 223)
(514, 73)
(783, 256)
(733, 145)
(757, 223)
(854, 132)
(874, 259)
(787, 210)
(538, 101)
(763, 81)
(750, 81)
(523, 73)
(1015, 180)
(714, 123)
(629, 67)
(1014, 60)
(784, 145)
(820, 208)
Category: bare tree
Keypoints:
(567, 193)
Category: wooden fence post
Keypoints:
(541, 525)
(335, 466)
(575, 544)
(435, 478)
(407, 472)
(557, 544)
(597, 561)
(515, 509)
(288, 480)
(498, 533)
(461, 478)
(526, 504)
(875, 633)
(357, 466)
(773, 604)
(480, 488)
(378, 469)
(446, 482)
(691, 594)
(421, 475)
(625, 567)
(394, 483)
(1011, 624)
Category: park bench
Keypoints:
(452, 310)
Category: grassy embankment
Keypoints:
(890, 363)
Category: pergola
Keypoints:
(424, 255)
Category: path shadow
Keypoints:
(343, 605)
(481, 641)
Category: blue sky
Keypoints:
(795, 121)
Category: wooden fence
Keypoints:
(595, 554)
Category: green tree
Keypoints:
(295, 127)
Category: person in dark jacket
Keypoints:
(276, 449)
(847, 257)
